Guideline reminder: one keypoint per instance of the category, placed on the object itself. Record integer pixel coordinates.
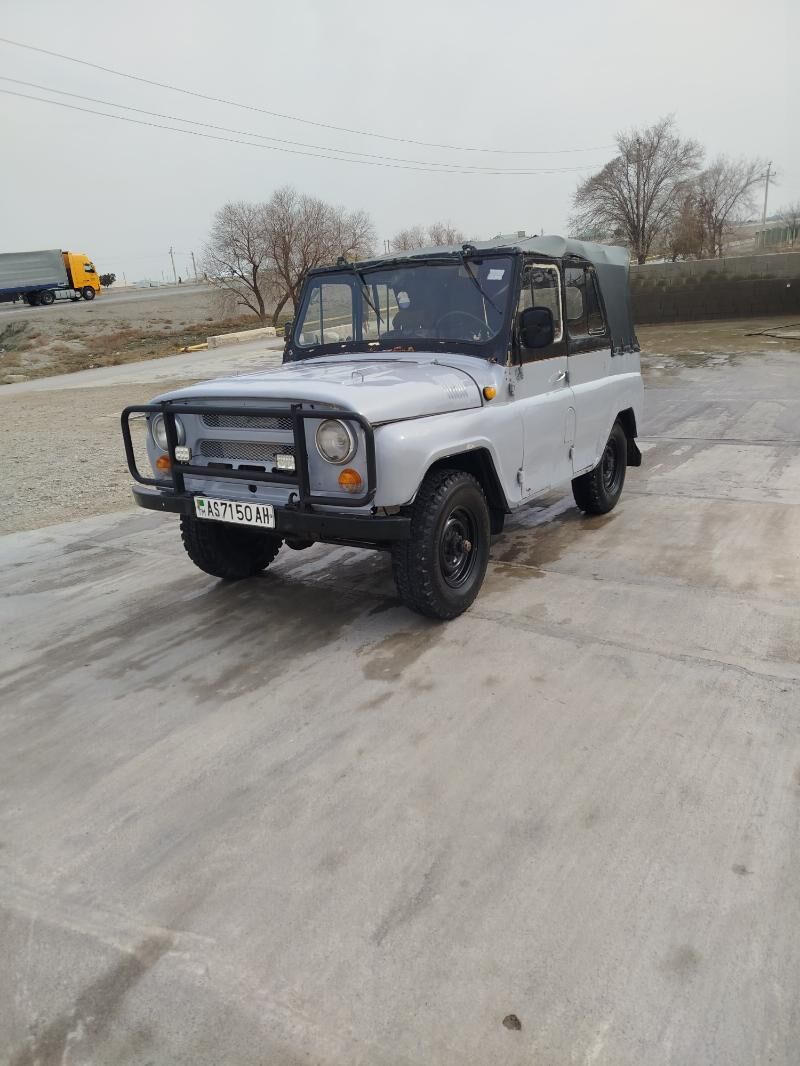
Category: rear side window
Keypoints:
(541, 287)
(584, 310)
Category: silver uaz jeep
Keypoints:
(422, 398)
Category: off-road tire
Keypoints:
(46, 298)
(87, 292)
(449, 503)
(227, 551)
(598, 491)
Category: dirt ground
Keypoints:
(117, 327)
(62, 447)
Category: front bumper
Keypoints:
(294, 522)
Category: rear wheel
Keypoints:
(87, 292)
(598, 491)
(229, 552)
(440, 569)
(46, 298)
(32, 299)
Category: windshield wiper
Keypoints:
(470, 248)
(342, 262)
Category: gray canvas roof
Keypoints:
(552, 246)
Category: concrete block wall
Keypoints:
(735, 287)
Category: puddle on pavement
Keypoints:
(661, 367)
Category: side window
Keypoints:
(584, 310)
(328, 317)
(594, 310)
(575, 285)
(541, 287)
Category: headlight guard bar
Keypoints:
(300, 478)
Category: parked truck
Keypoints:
(41, 278)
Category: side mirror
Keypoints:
(536, 327)
(287, 330)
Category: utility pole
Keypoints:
(194, 267)
(174, 271)
(766, 194)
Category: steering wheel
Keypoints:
(484, 329)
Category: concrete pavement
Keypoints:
(287, 821)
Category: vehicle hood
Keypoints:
(383, 390)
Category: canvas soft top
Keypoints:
(611, 264)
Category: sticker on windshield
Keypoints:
(495, 274)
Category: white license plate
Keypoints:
(240, 514)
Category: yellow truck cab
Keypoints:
(82, 274)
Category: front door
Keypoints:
(543, 390)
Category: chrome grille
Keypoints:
(244, 451)
(222, 421)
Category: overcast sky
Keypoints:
(517, 76)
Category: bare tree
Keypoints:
(637, 192)
(724, 193)
(445, 233)
(407, 240)
(258, 255)
(236, 256)
(790, 217)
(438, 233)
(685, 235)
(303, 232)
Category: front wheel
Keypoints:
(87, 292)
(226, 551)
(597, 491)
(46, 298)
(440, 569)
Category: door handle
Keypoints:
(556, 379)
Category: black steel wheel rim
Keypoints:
(611, 467)
(458, 546)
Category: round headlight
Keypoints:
(159, 431)
(335, 442)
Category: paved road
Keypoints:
(107, 297)
(189, 366)
(287, 821)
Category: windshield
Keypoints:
(445, 304)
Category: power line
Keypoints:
(296, 118)
(282, 140)
(291, 151)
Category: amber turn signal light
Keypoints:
(162, 463)
(350, 480)
(490, 392)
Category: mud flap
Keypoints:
(634, 455)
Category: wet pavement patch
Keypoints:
(390, 657)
